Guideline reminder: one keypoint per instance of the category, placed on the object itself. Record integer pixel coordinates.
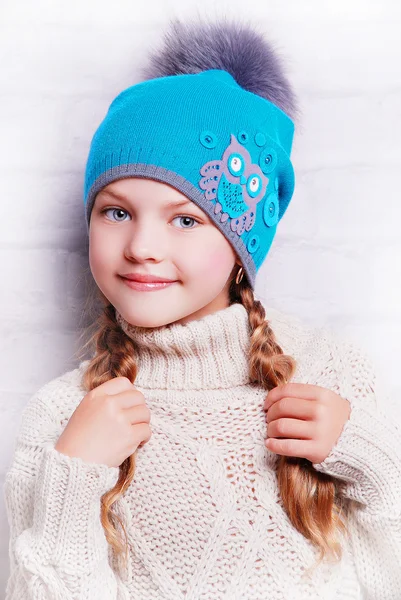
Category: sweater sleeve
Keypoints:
(367, 460)
(57, 547)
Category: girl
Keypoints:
(211, 447)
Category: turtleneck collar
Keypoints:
(206, 353)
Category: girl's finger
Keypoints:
(292, 447)
(291, 428)
(298, 408)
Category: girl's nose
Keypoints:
(145, 243)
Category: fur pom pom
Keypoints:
(233, 47)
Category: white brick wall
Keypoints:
(336, 259)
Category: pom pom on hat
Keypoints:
(235, 47)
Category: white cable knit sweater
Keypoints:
(203, 515)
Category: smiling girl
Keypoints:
(211, 447)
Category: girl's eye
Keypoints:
(120, 210)
(187, 218)
(115, 210)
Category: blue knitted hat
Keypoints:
(204, 125)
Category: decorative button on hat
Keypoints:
(218, 126)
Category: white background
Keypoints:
(336, 258)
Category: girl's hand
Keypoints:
(108, 425)
(309, 417)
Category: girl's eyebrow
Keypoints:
(118, 196)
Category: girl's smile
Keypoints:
(146, 287)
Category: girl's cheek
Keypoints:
(216, 265)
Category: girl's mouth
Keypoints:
(146, 287)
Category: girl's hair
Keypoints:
(309, 497)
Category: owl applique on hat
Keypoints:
(237, 184)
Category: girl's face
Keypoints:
(136, 226)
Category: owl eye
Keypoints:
(236, 164)
(254, 185)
